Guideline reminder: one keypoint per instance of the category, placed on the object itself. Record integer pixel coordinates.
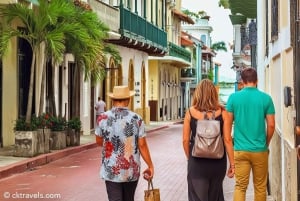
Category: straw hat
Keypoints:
(121, 92)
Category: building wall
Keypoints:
(278, 68)
(10, 94)
(154, 81)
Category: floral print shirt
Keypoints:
(120, 129)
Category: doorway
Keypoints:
(24, 68)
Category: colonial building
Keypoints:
(275, 56)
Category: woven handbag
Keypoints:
(152, 194)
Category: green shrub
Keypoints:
(58, 123)
(75, 124)
(21, 125)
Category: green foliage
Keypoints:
(224, 3)
(219, 46)
(21, 125)
(210, 74)
(44, 121)
(54, 28)
(74, 123)
(58, 123)
(198, 15)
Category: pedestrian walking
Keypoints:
(100, 107)
(252, 114)
(122, 134)
(204, 175)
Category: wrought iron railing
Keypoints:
(133, 25)
(180, 52)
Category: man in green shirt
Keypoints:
(253, 114)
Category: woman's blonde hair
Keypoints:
(206, 97)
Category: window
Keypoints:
(274, 20)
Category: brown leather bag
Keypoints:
(152, 194)
(208, 142)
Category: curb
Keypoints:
(31, 163)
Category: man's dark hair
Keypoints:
(249, 75)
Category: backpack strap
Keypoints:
(204, 115)
(212, 117)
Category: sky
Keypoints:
(222, 31)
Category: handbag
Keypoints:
(208, 142)
(152, 194)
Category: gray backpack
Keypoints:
(208, 142)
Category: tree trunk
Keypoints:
(76, 94)
(30, 93)
(52, 99)
(43, 84)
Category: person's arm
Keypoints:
(186, 134)
(270, 119)
(228, 121)
(145, 153)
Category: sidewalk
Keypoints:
(10, 165)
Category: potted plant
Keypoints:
(73, 134)
(26, 138)
(58, 138)
(44, 129)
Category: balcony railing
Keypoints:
(133, 25)
(188, 74)
(180, 52)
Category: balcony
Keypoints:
(109, 15)
(187, 74)
(139, 29)
(177, 51)
(130, 30)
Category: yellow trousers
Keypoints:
(257, 162)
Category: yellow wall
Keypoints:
(284, 13)
(9, 95)
(153, 89)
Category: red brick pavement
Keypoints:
(170, 166)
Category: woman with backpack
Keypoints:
(205, 175)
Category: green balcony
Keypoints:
(180, 52)
(187, 74)
(139, 29)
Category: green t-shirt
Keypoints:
(250, 107)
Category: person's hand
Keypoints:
(231, 171)
(148, 174)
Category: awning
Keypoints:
(185, 39)
(186, 42)
(183, 16)
(248, 8)
(175, 61)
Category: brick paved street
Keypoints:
(76, 178)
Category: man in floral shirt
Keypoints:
(121, 133)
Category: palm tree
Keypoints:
(219, 46)
(51, 29)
